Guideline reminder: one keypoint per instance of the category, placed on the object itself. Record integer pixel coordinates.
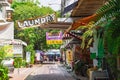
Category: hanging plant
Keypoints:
(87, 37)
(112, 36)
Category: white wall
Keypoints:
(7, 32)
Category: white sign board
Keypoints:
(17, 49)
(37, 21)
(28, 57)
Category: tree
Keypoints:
(109, 19)
(26, 10)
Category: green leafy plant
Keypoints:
(3, 73)
(109, 20)
(2, 53)
(17, 62)
(87, 35)
(3, 69)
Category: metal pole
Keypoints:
(18, 68)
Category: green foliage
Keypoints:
(34, 36)
(30, 48)
(110, 21)
(27, 10)
(58, 13)
(17, 62)
(112, 61)
(3, 69)
(87, 35)
(2, 53)
(3, 73)
(112, 36)
(15, 3)
(109, 10)
(24, 63)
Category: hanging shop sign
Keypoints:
(54, 38)
(37, 21)
(69, 56)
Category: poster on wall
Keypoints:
(54, 38)
(8, 50)
(69, 56)
(18, 50)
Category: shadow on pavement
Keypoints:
(51, 76)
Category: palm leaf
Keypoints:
(111, 8)
(86, 35)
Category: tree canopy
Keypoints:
(33, 36)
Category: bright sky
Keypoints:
(54, 4)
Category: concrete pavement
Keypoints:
(22, 73)
(50, 72)
(47, 71)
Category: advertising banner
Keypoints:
(69, 56)
(9, 50)
(54, 38)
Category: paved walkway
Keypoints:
(22, 73)
(77, 77)
(50, 72)
(45, 72)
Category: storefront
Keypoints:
(13, 47)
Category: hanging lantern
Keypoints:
(9, 12)
(10, 1)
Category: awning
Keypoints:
(4, 25)
(86, 7)
(82, 22)
(57, 25)
(87, 10)
(70, 42)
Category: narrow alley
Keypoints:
(50, 71)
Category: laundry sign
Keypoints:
(37, 21)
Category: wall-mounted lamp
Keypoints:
(10, 1)
(9, 12)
